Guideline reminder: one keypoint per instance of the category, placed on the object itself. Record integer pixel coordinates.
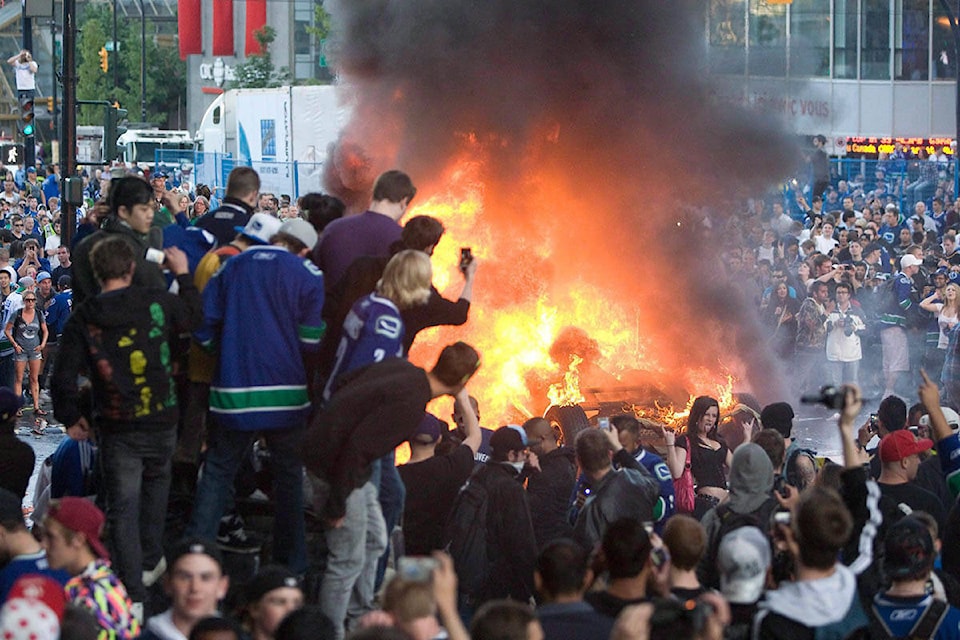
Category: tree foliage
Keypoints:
(166, 74)
(257, 71)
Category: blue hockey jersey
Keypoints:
(261, 312)
(372, 332)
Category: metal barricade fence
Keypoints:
(212, 169)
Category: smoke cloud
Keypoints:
(595, 147)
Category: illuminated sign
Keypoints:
(872, 147)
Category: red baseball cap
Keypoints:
(901, 444)
(82, 516)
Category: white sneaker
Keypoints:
(150, 577)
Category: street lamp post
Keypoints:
(955, 29)
(143, 63)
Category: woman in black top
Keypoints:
(709, 455)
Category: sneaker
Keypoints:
(150, 577)
(233, 537)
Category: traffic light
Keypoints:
(111, 131)
(26, 114)
(104, 59)
(49, 101)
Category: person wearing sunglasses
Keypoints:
(27, 332)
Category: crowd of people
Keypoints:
(205, 355)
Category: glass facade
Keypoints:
(904, 40)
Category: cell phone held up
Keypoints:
(466, 257)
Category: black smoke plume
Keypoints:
(596, 133)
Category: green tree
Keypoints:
(166, 73)
(258, 72)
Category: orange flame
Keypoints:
(536, 310)
(568, 393)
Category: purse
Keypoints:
(683, 487)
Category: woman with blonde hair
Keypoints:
(946, 305)
(373, 330)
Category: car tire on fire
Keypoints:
(570, 419)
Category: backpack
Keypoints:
(926, 627)
(466, 534)
(729, 521)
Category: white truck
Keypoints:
(283, 133)
(140, 146)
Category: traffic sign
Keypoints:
(11, 154)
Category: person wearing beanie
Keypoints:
(33, 610)
(751, 502)
(71, 537)
(270, 596)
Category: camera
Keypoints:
(416, 569)
(829, 396)
(466, 257)
(874, 423)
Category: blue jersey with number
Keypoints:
(372, 332)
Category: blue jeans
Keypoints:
(215, 489)
(347, 592)
(136, 479)
(392, 494)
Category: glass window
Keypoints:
(845, 17)
(944, 58)
(302, 19)
(912, 33)
(768, 39)
(810, 38)
(727, 44)
(875, 47)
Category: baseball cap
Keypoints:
(260, 228)
(11, 507)
(953, 418)
(908, 549)
(429, 429)
(195, 545)
(43, 275)
(506, 439)
(10, 403)
(26, 281)
(31, 169)
(33, 609)
(901, 444)
(910, 260)
(301, 230)
(82, 516)
(779, 416)
(269, 578)
(743, 559)
(158, 174)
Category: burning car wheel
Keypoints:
(571, 420)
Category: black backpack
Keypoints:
(466, 534)
(729, 521)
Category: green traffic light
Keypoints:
(28, 130)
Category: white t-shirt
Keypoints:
(26, 76)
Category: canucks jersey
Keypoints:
(372, 332)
